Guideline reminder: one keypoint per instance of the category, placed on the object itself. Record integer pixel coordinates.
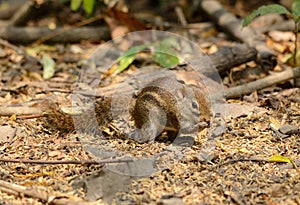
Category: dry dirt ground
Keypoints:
(238, 171)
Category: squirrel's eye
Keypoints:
(194, 105)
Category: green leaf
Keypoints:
(128, 57)
(292, 61)
(165, 54)
(48, 66)
(170, 42)
(75, 4)
(296, 10)
(264, 10)
(34, 51)
(88, 6)
(287, 57)
(134, 50)
(124, 62)
(279, 158)
(165, 59)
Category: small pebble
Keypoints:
(289, 129)
(171, 201)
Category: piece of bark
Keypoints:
(28, 35)
(233, 27)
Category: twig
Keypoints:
(234, 197)
(30, 116)
(268, 200)
(182, 20)
(241, 160)
(56, 90)
(9, 191)
(18, 50)
(296, 80)
(9, 45)
(21, 16)
(294, 164)
(236, 160)
(28, 161)
(20, 110)
(38, 194)
(181, 16)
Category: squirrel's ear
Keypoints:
(182, 92)
(180, 81)
(135, 94)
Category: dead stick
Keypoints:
(295, 163)
(233, 26)
(295, 166)
(241, 160)
(8, 111)
(18, 50)
(248, 88)
(181, 16)
(30, 116)
(28, 161)
(39, 194)
(79, 24)
(9, 191)
(233, 196)
(15, 34)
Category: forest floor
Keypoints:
(238, 171)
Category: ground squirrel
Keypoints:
(167, 104)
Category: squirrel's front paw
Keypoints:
(184, 141)
(138, 136)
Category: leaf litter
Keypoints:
(188, 179)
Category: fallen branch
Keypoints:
(233, 27)
(30, 34)
(239, 91)
(228, 57)
(64, 30)
(82, 162)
